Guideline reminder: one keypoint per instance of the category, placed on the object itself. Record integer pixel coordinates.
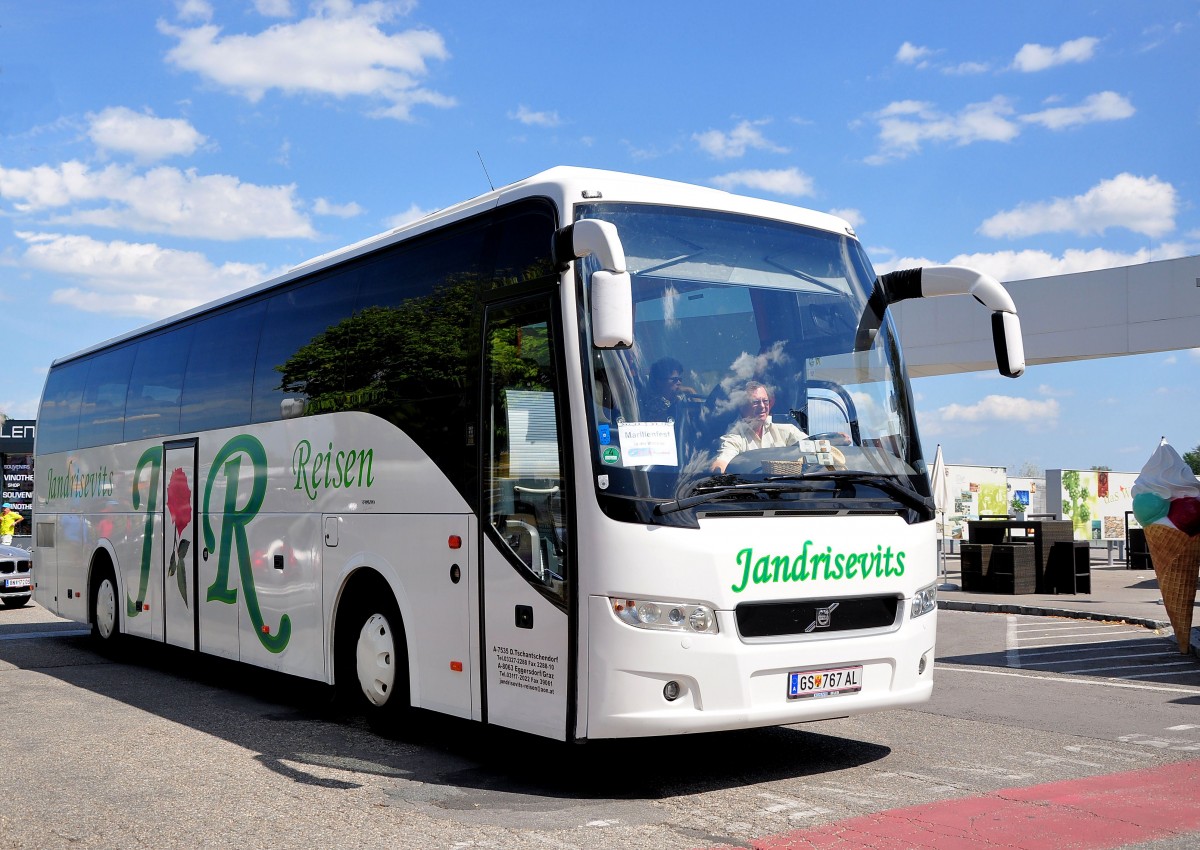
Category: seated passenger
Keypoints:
(755, 430)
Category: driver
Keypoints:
(755, 430)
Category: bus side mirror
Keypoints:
(929, 281)
(610, 287)
(1010, 347)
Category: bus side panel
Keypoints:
(45, 562)
(287, 633)
(140, 606)
(219, 596)
(416, 556)
(73, 553)
(526, 639)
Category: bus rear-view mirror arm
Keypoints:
(931, 281)
(610, 286)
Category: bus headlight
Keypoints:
(689, 617)
(924, 601)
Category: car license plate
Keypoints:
(16, 582)
(809, 684)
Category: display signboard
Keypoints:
(16, 462)
(1031, 492)
(1094, 500)
(974, 491)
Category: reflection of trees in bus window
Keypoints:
(522, 454)
(387, 360)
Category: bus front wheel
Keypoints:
(106, 618)
(372, 661)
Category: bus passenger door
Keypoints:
(179, 589)
(526, 551)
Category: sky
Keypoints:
(159, 154)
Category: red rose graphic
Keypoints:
(179, 504)
(179, 500)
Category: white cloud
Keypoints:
(854, 217)
(274, 8)
(1001, 408)
(1104, 106)
(781, 181)
(905, 125)
(1038, 57)
(737, 141)
(966, 69)
(531, 118)
(1144, 205)
(911, 54)
(321, 206)
(342, 50)
(133, 279)
(142, 134)
(161, 200)
(413, 213)
(194, 10)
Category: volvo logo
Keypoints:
(823, 618)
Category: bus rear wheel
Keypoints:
(372, 662)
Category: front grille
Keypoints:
(7, 567)
(771, 619)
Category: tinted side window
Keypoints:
(58, 419)
(297, 322)
(523, 243)
(219, 382)
(102, 415)
(156, 383)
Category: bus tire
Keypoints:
(105, 610)
(372, 659)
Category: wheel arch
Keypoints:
(103, 559)
(360, 582)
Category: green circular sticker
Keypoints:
(611, 455)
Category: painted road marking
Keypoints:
(1109, 651)
(1100, 812)
(1107, 683)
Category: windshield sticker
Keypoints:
(809, 565)
(648, 443)
(605, 434)
(610, 455)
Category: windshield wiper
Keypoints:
(755, 489)
(801, 483)
(892, 486)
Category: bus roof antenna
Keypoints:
(485, 171)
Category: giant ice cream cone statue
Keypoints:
(1166, 502)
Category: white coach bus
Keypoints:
(436, 469)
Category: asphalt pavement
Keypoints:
(1118, 594)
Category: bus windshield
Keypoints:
(749, 385)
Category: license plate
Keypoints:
(810, 684)
(16, 582)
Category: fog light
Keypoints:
(671, 691)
